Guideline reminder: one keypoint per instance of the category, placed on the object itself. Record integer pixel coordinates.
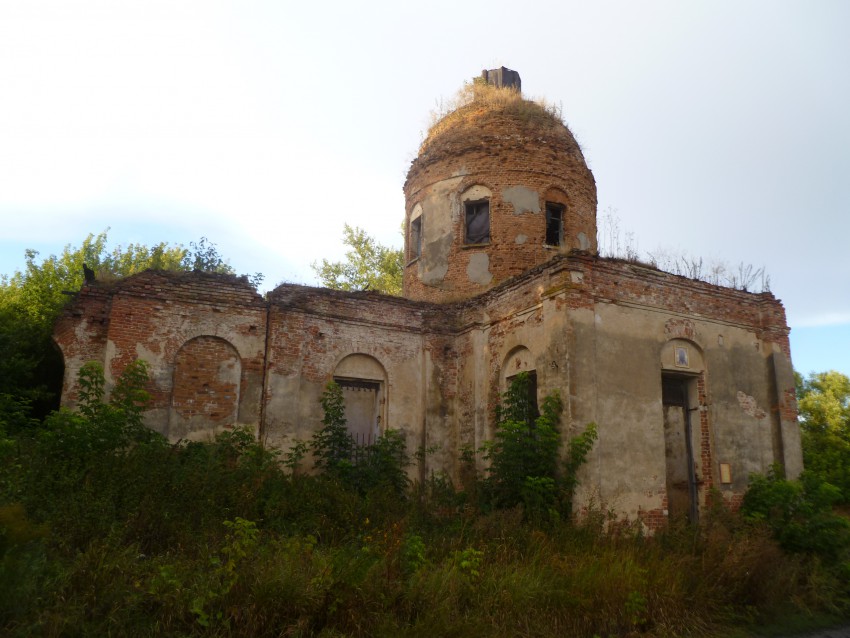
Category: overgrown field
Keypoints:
(107, 529)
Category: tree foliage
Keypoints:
(333, 445)
(37, 290)
(823, 400)
(381, 464)
(31, 300)
(525, 451)
(106, 529)
(526, 467)
(799, 513)
(368, 265)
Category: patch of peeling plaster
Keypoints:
(146, 354)
(435, 260)
(524, 200)
(478, 269)
(110, 352)
(583, 243)
(750, 406)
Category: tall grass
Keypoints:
(143, 541)
(106, 530)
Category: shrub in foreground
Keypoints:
(108, 530)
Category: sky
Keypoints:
(718, 129)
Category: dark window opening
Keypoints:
(477, 222)
(416, 238)
(554, 224)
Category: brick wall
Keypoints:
(152, 316)
(206, 381)
(501, 150)
(220, 354)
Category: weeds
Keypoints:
(476, 100)
(104, 532)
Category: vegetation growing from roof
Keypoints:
(742, 276)
(478, 99)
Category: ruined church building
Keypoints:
(691, 384)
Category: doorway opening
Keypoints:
(681, 439)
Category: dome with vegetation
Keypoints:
(482, 110)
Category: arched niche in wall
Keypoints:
(363, 381)
(205, 389)
(682, 356)
(519, 359)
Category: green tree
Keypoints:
(799, 513)
(525, 463)
(38, 292)
(367, 266)
(333, 446)
(823, 400)
(524, 455)
(31, 300)
(381, 464)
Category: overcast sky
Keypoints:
(719, 129)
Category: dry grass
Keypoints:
(477, 100)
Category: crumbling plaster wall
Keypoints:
(517, 165)
(80, 335)
(598, 331)
(312, 330)
(637, 312)
(151, 316)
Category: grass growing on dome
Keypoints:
(477, 99)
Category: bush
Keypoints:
(105, 530)
(799, 513)
(525, 465)
(524, 455)
(381, 464)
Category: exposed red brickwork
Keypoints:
(206, 375)
(80, 334)
(680, 329)
(194, 329)
(132, 321)
(735, 502)
(308, 325)
(706, 463)
(501, 150)
(654, 519)
(152, 315)
(788, 405)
